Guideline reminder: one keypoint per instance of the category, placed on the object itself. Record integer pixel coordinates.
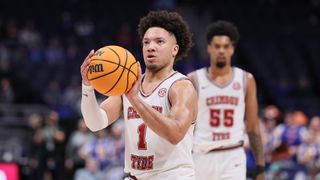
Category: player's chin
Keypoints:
(152, 67)
(221, 64)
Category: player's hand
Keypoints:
(84, 68)
(260, 176)
(136, 86)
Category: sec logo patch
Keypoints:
(162, 92)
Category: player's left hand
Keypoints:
(136, 86)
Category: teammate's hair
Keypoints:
(221, 28)
(173, 23)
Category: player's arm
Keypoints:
(97, 117)
(193, 79)
(252, 121)
(183, 111)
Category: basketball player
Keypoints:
(159, 110)
(228, 107)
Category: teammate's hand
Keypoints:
(84, 68)
(260, 176)
(136, 86)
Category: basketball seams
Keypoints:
(104, 74)
(123, 68)
(112, 62)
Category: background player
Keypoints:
(228, 107)
(158, 110)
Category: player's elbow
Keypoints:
(175, 139)
(93, 127)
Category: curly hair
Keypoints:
(173, 23)
(223, 28)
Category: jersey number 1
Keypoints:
(215, 117)
(142, 144)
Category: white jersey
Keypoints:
(147, 155)
(220, 120)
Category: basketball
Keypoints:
(112, 70)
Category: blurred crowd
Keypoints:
(53, 154)
(291, 144)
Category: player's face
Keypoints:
(159, 48)
(221, 50)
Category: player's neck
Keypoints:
(158, 76)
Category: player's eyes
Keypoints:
(160, 41)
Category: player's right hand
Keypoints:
(84, 68)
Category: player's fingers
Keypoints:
(91, 53)
(84, 75)
(84, 71)
(139, 72)
(87, 60)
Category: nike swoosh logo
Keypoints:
(85, 94)
(236, 165)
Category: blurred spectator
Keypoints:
(91, 171)
(11, 34)
(54, 53)
(5, 56)
(35, 122)
(52, 138)
(100, 148)
(71, 97)
(84, 27)
(29, 36)
(288, 137)
(115, 170)
(78, 138)
(309, 151)
(36, 54)
(268, 139)
(271, 112)
(53, 93)
(7, 94)
(300, 118)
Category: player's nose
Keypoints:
(151, 47)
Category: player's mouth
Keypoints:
(221, 58)
(151, 57)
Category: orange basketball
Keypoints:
(112, 70)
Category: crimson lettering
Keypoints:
(141, 162)
(220, 136)
(222, 100)
(133, 114)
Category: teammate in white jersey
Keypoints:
(159, 110)
(227, 107)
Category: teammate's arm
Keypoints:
(252, 122)
(183, 111)
(97, 117)
(193, 79)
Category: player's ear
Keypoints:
(232, 49)
(175, 50)
(209, 48)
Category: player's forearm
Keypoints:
(94, 117)
(257, 147)
(160, 124)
